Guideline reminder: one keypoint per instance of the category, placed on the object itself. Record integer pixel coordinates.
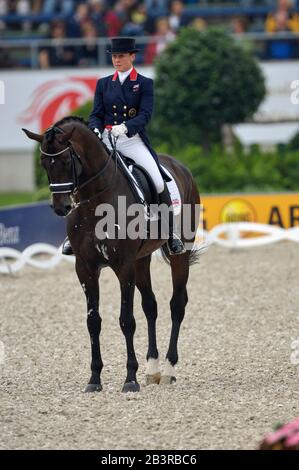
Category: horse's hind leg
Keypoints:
(149, 305)
(180, 273)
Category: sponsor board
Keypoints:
(34, 223)
(279, 209)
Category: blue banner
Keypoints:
(33, 223)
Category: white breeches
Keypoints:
(134, 148)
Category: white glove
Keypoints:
(96, 131)
(121, 129)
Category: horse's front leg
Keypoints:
(127, 323)
(89, 280)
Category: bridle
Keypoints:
(73, 187)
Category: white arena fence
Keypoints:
(233, 236)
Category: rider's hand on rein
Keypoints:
(121, 129)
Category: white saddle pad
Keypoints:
(174, 193)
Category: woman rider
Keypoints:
(123, 104)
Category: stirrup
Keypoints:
(175, 245)
(67, 247)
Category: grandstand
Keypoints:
(41, 34)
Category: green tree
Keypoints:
(203, 81)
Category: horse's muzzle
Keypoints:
(62, 210)
(61, 204)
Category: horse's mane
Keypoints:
(50, 133)
(70, 119)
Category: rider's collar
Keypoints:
(123, 75)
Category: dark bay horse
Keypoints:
(82, 177)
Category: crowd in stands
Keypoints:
(159, 20)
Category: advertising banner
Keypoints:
(34, 223)
(279, 209)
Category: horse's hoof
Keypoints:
(131, 387)
(93, 388)
(153, 378)
(167, 380)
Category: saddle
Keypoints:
(139, 180)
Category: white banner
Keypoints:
(36, 99)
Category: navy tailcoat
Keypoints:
(131, 103)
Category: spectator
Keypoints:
(23, 7)
(88, 54)
(58, 55)
(3, 7)
(135, 26)
(139, 14)
(36, 6)
(282, 20)
(199, 24)
(116, 18)
(54, 6)
(156, 7)
(163, 36)
(176, 14)
(238, 25)
(97, 15)
(74, 25)
(12, 6)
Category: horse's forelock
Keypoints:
(50, 135)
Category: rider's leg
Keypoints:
(135, 149)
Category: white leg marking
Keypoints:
(152, 366)
(169, 369)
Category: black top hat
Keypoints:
(122, 45)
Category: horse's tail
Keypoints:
(194, 256)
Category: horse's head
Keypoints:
(62, 164)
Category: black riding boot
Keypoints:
(67, 247)
(175, 245)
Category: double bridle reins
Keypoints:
(73, 187)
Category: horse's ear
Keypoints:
(33, 136)
(64, 138)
